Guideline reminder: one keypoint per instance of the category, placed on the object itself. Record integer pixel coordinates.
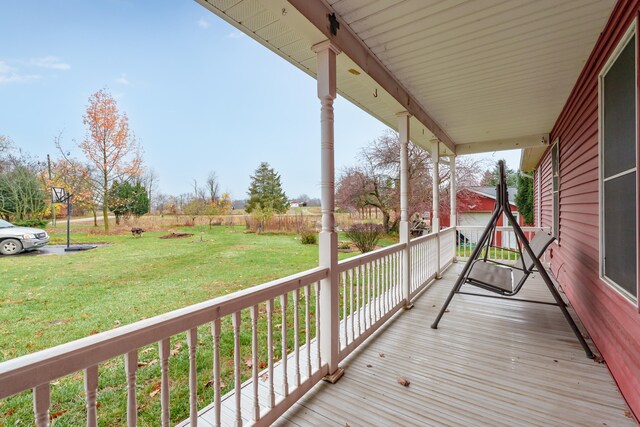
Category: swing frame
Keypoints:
(485, 243)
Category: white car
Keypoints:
(14, 239)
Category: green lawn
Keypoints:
(49, 300)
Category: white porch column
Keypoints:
(435, 219)
(403, 127)
(328, 241)
(453, 217)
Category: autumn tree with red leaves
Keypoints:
(109, 147)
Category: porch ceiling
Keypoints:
(488, 75)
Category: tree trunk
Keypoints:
(95, 216)
(385, 221)
(105, 209)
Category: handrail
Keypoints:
(501, 228)
(362, 259)
(421, 239)
(23, 373)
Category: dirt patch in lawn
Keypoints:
(176, 236)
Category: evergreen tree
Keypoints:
(119, 198)
(491, 177)
(140, 200)
(524, 198)
(265, 191)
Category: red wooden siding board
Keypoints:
(612, 321)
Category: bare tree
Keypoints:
(213, 187)
(375, 180)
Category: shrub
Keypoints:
(309, 238)
(365, 236)
(37, 223)
(344, 245)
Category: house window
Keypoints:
(618, 169)
(555, 174)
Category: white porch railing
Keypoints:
(447, 247)
(37, 371)
(467, 237)
(370, 293)
(423, 262)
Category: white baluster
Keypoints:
(254, 366)
(317, 288)
(272, 395)
(164, 382)
(192, 342)
(307, 325)
(41, 403)
(215, 332)
(131, 367)
(91, 394)
(235, 318)
(283, 341)
(351, 317)
(344, 308)
(369, 286)
(296, 334)
(379, 287)
(358, 306)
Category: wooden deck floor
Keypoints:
(491, 362)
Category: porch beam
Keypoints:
(405, 237)
(435, 196)
(541, 140)
(318, 12)
(326, 53)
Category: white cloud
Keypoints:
(203, 23)
(234, 35)
(9, 75)
(122, 80)
(49, 62)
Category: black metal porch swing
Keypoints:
(505, 279)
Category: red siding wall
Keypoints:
(612, 321)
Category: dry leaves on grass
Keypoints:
(58, 414)
(149, 363)
(210, 384)
(262, 364)
(174, 352)
(403, 381)
(248, 363)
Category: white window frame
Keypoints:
(631, 31)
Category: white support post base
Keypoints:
(328, 239)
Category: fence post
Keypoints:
(405, 236)
(326, 53)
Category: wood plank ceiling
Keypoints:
(485, 70)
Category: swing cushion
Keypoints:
(505, 278)
(492, 275)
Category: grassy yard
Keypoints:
(50, 300)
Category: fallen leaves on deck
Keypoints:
(264, 377)
(382, 355)
(403, 381)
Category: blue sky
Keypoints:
(200, 95)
